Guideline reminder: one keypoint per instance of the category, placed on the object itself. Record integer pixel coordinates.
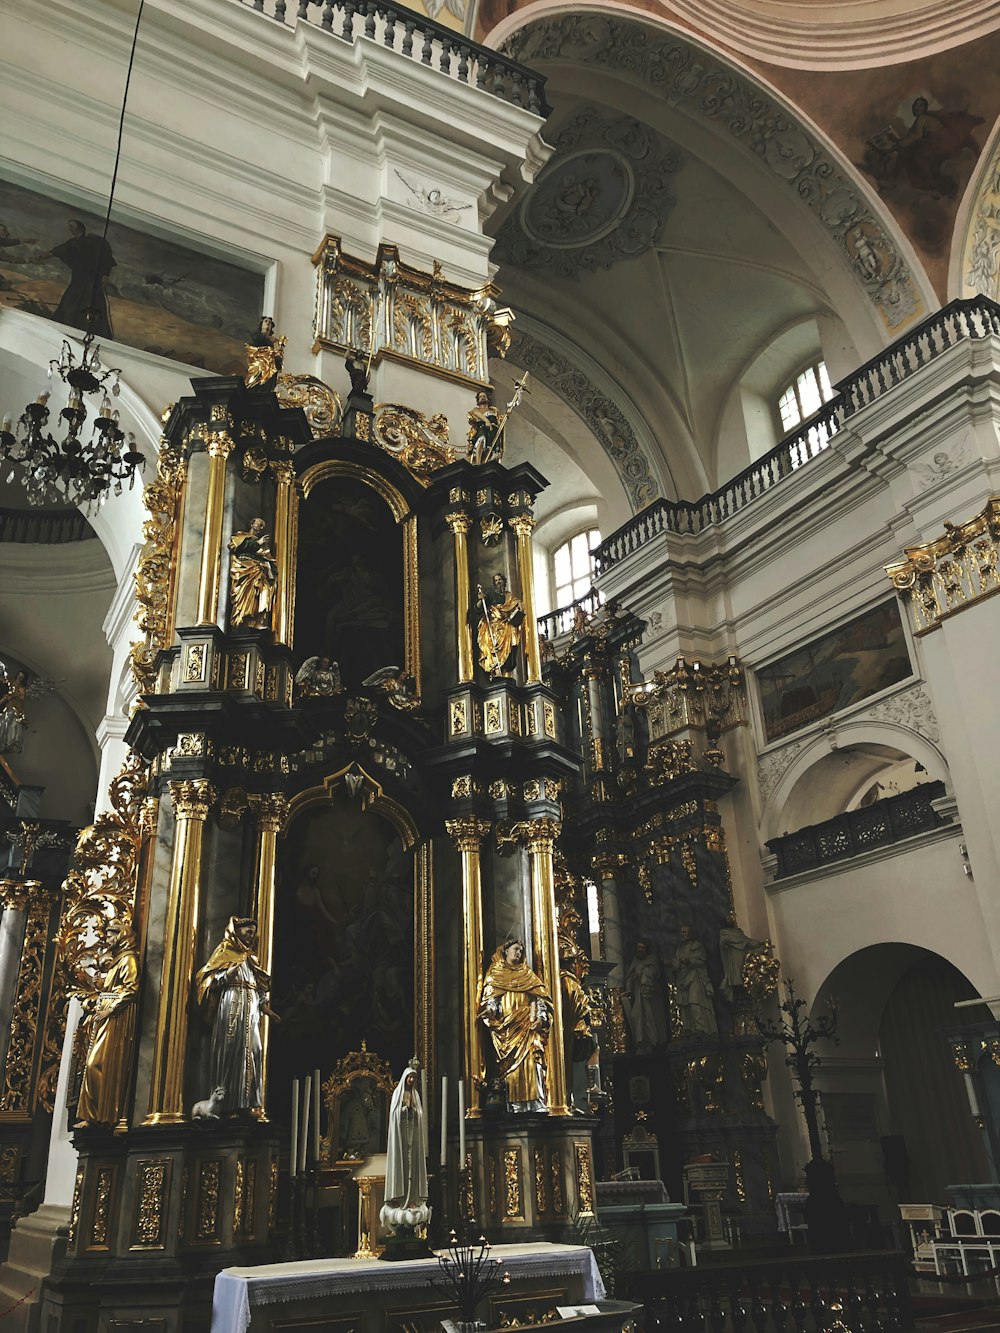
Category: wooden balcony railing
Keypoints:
(877, 825)
(419, 38)
(961, 321)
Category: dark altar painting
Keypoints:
(838, 669)
(343, 941)
(349, 600)
(153, 293)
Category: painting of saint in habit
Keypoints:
(343, 952)
(919, 148)
(349, 590)
(842, 667)
(145, 290)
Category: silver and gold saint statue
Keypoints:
(516, 1009)
(233, 990)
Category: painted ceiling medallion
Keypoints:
(604, 197)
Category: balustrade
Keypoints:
(418, 38)
(44, 526)
(876, 825)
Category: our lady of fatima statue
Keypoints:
(405, 1204)
(232, 989)
(517, 1009)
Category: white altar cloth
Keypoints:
(238, 1290)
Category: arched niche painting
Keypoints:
(343, 941)
(349, 596)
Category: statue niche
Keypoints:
(349, 593)
(343, 951)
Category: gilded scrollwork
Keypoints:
(16, 1095)
(707, 695)
(323, 406)
(420, 443)
(156, 570)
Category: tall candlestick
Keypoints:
(424, 1108)
(293, 1158)
(444, 1119)
(304, 1145)
(316, 1117)
(461, 1124)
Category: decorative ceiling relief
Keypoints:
(604, 418)
(688, 77)
(603, 197)
(980, 262)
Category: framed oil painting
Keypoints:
(149, 292)
(840, 668)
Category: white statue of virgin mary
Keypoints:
(406, 1166)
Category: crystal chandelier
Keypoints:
(73, 470)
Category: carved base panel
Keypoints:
(156, 1213)
(532, 1175)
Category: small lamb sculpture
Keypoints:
(210, 1108)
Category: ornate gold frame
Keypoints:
(403, 514)
(374, 798)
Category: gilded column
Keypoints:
(220, 445)
(522, 525)
(271, 809)
(468, 834)
(285, 523)
(541, 835)
(191, 801)
(460, 523)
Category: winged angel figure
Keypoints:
(14, 690)
(433, 201)
(397, 685)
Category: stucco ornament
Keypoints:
(694, 80)
(604, 196)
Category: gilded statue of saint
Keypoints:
(253, 575)
(110, 1032)
(516, 1008)
(232, 990)
(501, 617)
(485, 438)
(265, 354)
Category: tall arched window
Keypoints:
(803, 396)
(572, 567)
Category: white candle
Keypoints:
(424, 1109)
(304, 1145)
(444, 1119)
(316, 1117)
(461, 1124)
(293, 1157)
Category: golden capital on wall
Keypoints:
(220, 444)
(271, 809)
(283, 471)
(459, 522)
(522, 524)
(192, 798)
(541, 835)
(468, 832)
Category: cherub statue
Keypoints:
(14, 691)
(265, 356)
(318, 678)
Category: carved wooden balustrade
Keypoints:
(877, 825)
(419, 38)
(961, 321)
(852, 1292)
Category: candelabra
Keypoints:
(467, 1273)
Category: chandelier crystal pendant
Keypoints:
(73, 470)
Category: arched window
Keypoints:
(803, 396)
(572, 567)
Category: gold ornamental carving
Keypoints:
(207, 1212)
(154, 1177)
(468, 833)
(323, 406)
(584, 1178)
(555, 1174)
(102, 1209)
(74, 1212)
(419, 442)
(541, 1184)
(958, 569)
(708, 695)
(192, 799)
(397, 312)
(16, 1096)
(513, 1206)
(156, 572)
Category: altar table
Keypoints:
(372, 1296)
